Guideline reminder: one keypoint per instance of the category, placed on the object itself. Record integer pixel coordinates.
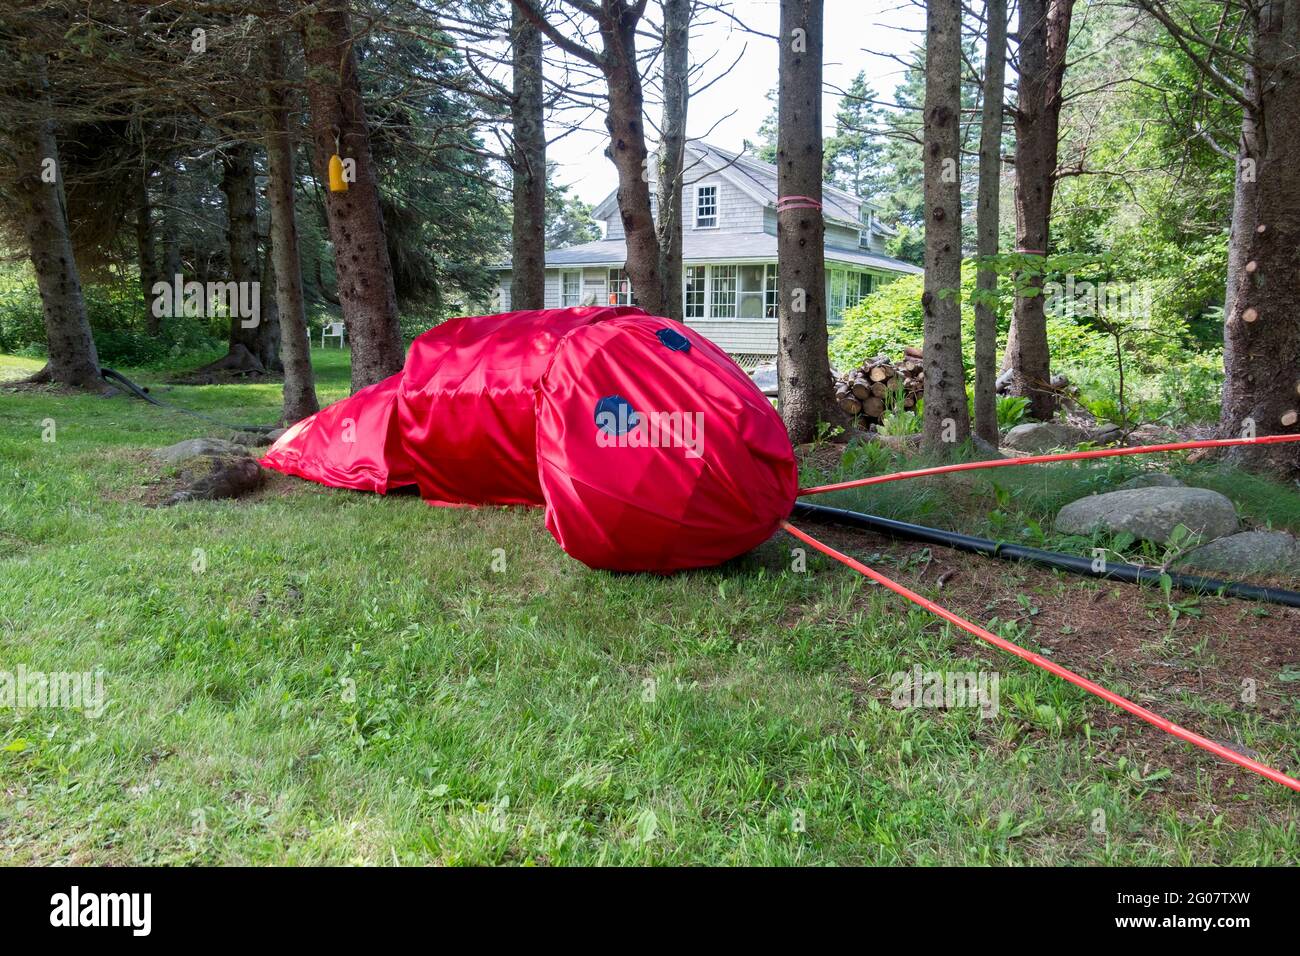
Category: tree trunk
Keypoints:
(239, 186)
(672, 151)
(1261, 332)
(617, 22)
(172, 266)
(144, 245)
(986, 222)
(805, 393)
(356, 224)
(946, 418)
(1044, 36)
(295, 349)
(627, 149)
(39, 186)
(528, 231)
(270, 335)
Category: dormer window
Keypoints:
(706, 207)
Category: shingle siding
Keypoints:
(739, 336)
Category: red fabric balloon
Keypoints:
(693, 468)
(650, 449)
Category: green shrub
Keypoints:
(117, 312)
(1168, 377)
(1011, 410)
(891, 318)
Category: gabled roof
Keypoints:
(712, 247)
(755, 178)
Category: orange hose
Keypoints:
(1037, 660)
(1038, 459)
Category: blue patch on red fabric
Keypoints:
(674, 340)
(615, 415)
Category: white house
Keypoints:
(728, 254)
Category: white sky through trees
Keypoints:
(852, 27)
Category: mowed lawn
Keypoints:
(317, 676)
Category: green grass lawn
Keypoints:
(318, 676)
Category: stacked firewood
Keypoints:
(868, 392)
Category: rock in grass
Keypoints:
(209, 477)
(1250, 552)
(194, 447)
(1151, 514)
(1040, 437)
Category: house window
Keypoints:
(693, 292)
(771, 292)
(836, 282)
(722, 292)
(570, 288)
(620, 287)
(706, 207)
(859, 288)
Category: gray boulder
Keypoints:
(1154, 479)
(1268, 552)
(1040, 437)
(1106, 434)
(210, 477)
(1151, 514)
(194, 447)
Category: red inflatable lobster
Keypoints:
(649, 448)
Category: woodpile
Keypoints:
(867, 393)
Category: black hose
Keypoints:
(1117, 571)
(108, 374)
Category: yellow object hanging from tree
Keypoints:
(337, 183)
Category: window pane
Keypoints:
(570, 288)
(835, 303)
(772, 292)
(693, 293)
(723, 300)
(706, 206)
(620, 287)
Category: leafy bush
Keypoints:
(117, 312)
(900, 422)
(1167, 376)
(891, 318)
(1011, 410)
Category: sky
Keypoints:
(857, 33)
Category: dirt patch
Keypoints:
(822, 457)
(1209, 652)
(19, 387)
